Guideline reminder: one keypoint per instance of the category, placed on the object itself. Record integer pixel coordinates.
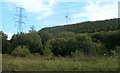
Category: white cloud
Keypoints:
(42, 9)
(9, 35)
(66, 0)
(95, 11)
(52, 2)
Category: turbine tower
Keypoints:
(68, 20)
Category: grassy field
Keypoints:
(0, 62)
(39, 63)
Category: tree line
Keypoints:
(85, 27)
(66, 43)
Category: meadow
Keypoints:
(42, 63)
(0, 62)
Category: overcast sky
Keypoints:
(48, 13)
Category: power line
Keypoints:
(20, 19)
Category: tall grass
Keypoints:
(40, 63)
(0, 62)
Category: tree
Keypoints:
(110, 39)
(34, 43)
(5, 43)
(84, 43)
(66, 34)
(0, 41)
(18, 40)
(94, 26)
(32, 40)
(45, 36)
(57, 46)
(64, 47)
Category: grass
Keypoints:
(0, 62)
(40, 63)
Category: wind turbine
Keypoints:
(67, 18)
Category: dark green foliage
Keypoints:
(113, 39)
(88, 38)
(117, 49)
(100, 43)
(66, 34)
(80, 42)
(34, 43)
(57, 46)
(21, 51)
(83, 43)
(0, 41)
(45, 36)
(100, 49)
(85, 27)
(18, 40)
(5, 43)
(110, 39)
(119, 24)
(47, 51)
(32, 40)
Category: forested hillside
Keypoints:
(79, 47)
(85, 27)
(90, 38)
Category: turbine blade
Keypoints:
(70, 19)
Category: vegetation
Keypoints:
(40, 63)
(0, 62)
(32, 40)
(66, 42)
(0, 42)
(21, 51)
(85, 27)
(5, 43)
(110, 39)
(69, 47)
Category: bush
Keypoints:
(47, 52)
(100, 49)
(64, 47)
(21, 51)
(57, 46)
(84, 44)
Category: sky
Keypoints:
(49, 13)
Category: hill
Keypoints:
(85, 27)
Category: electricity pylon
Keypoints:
(20, 17)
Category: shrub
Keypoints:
(21, 51)
(100, 49)
(57, 46)
(84, 44)
(47, 52)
